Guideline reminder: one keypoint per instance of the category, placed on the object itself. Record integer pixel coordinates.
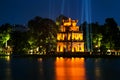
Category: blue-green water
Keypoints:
(59, 68)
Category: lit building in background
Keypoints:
(70, 38)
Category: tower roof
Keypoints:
(69, 22)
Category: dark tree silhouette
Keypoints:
(110, 34)
(44, 31)
(19, 42)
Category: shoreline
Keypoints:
(66, 55)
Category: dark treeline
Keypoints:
(104, 37)
(40, 36)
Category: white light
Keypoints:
(108, 50)
(96, 46)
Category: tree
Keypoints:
(59, 19)
(97, 40)
(5, 31)
(35, 32)
(49, 31)
(19, 42)
(96, 36)
(44, 31)
(103, 49)
(110, 34)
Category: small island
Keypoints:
(44, 37)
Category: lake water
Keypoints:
(59, 68)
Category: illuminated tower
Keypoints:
(69, 38)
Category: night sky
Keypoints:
(20, 11)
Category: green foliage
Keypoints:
(110, 34)
(43, 33)
(5, 31)
(5, 37)
(97, 39)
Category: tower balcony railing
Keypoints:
(70, 32)
(70, 40)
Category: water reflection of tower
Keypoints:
(86, 17)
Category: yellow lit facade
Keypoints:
(69, 38)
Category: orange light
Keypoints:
(70, 69)
(70, 37)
